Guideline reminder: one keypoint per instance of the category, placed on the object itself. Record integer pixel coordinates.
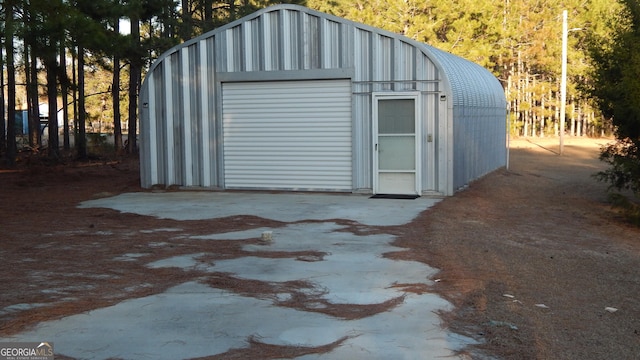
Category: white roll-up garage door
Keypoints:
(293, 135)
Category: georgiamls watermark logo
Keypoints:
(26, 351)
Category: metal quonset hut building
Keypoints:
(293, 99)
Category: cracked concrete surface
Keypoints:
(195, 319)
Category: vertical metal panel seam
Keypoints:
(204, 119)
(258, 32)
(279, 40)
(161, 115)
(186, 111)
(341, 45)
(322, 47)
(229, 50)
(266, 43)
(375, 53)
(373, 49)
(305, 46)
(218, 127)
(215, 148)
(357, 146)
(195, 121)
(152, 139)
(397, 66)
(419, 161)
(176, 119)
(169, 164)
(219, 42)
(241, 47)
(248, 49)
(286, 46)
(301, 40)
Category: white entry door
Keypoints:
(396, 145)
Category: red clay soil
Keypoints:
(531, 256)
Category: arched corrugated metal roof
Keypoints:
(471, 84)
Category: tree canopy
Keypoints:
(615, 87)
(519, 40)
(615, 72)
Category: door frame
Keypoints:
(406, 95)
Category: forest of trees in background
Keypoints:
(520, 41)
(73, 56)
(73, 52)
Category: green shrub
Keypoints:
(628, 208)
(623, 156)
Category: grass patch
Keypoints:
(627, 207)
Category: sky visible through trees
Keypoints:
(518, 40)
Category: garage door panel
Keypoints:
(288, 135)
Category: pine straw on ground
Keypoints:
(532, 256)
(529, 256)
(82, 258)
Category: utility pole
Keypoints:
(563, 79)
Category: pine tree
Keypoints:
(9, 33)
(616, 86)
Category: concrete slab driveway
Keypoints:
(197, 320)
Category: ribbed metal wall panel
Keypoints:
(289, 39)
(479, 137)
(288, 135)
(312, 49)
(203, 119)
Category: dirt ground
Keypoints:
(535, 261)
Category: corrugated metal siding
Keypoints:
(479, 143)
(290, 40)
(177, 148)
(288, 135)
(284, 40)
(479, 119)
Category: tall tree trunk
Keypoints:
(3, 129)
(31, 76)
(11, 84)
(115, 95)
(187, 21)
(208, 15)
(74, 96)
(553, 123)
(580, 124)
(52, 99)
(64, 89)
(82, 115)
(572, 129)
(532, 112)
(556, 119)
(135, 73)
(542, 112)
(34, 109)
(33, 113)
